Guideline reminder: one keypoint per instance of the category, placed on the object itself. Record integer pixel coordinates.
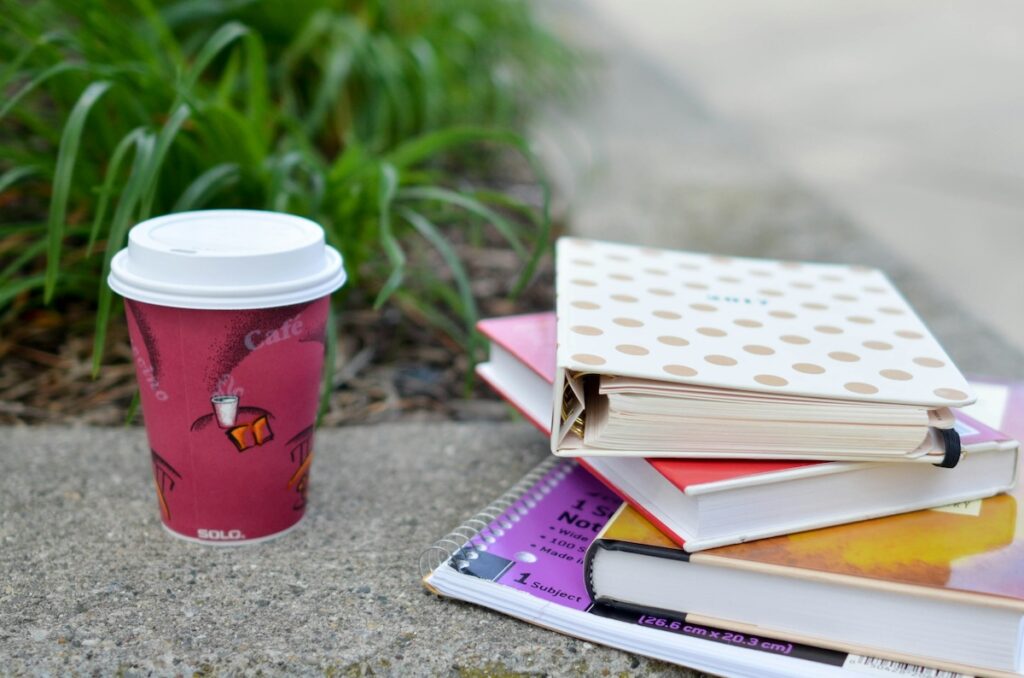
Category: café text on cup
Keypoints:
(259, 338)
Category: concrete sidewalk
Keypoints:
(92, 584)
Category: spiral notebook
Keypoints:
(751, 357)
(523, 555)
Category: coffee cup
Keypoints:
(227, 313)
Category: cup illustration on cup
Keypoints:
(225, 401)
(225, 407)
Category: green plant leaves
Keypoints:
(35, 82)
(69, 142)
(14, 175)
(504, 226)
(206, 185)
(134, 189)
(219, 41)
(108, 188)
(152, 169)
(432, 234)
(367, 118)
(386, 190)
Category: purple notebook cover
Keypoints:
(538, 545)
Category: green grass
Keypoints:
(377, 119)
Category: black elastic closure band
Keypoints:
(951, 440)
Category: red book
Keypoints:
(702, 503)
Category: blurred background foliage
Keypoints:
(383, 121)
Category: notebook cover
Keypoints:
(534, 546)
(973, 548)
(807, 329)
(530, 338)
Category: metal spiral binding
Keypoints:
(453, 542)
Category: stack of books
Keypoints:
(761, 468)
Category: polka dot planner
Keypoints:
(669, 353)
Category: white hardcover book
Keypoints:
(665, 353)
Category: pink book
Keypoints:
(701, 503)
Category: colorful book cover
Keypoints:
(530, 338)
(527, 560)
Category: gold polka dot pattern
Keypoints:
(795, 339)
(770, 380)
(825, 330)
(843, 356)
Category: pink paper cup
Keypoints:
(227, 314)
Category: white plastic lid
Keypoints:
(226, 259)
